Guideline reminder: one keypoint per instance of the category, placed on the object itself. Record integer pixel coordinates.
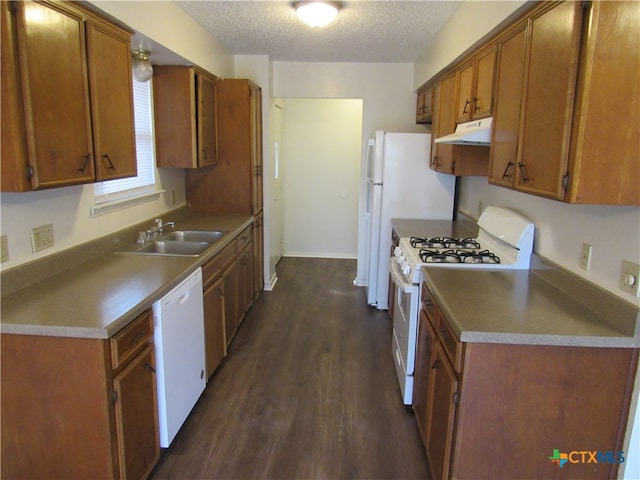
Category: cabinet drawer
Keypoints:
(430, 306)
(126, 343)
(212, 269)
(452, 346)
(243, 239)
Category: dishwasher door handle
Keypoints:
(184, 298)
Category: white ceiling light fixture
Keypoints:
(317, 14)
(142, 68)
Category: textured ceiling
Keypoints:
(364, 31)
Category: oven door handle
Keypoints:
(398, 277)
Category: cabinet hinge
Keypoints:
(29, 172)
(565, 181)
(114, 397)
(13, 6)
(456, 398)
(453, 166)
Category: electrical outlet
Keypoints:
(585, 257)
(4, 248)
(41, 238)
(630, 278)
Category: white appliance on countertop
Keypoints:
(398, 183)
(180, 355)
(504, 241)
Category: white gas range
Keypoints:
(504, 241)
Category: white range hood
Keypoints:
(477, 132)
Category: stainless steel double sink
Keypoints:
(180, 242)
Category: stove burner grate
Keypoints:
(443, 242)
(458, 256)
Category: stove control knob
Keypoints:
(406, 268)
(397, 252)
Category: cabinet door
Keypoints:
(214, 338)
(442, 399)
(605, 166)
(506, 115)
(424, 353)
(136, 416)
(256, 149)
(258, 255)
(442, 158)
(230, 291)
(207, 148)
(109, 61)
(174, 103)
(52, 51)
(464, 102)
(14, 139)
(550, 82)
(245, 280)
(483, 84)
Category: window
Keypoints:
(116, 194)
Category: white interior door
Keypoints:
(276, 234)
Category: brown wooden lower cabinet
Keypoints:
(78, 408)
(500, 410)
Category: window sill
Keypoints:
(122, 203)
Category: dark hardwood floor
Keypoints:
(308, 391)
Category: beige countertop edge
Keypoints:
(178, 268)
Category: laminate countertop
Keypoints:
(99, 297)
(544, 305)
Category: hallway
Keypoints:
(308, 391)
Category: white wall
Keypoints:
(322, 152)
(386, 90)
(472, 21)
(68, 208)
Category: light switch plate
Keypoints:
(41, 238)
(630, 278)
(585, 257)
(4, 248)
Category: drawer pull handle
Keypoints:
(436, 364)
(139, 336)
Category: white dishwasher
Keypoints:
(180, 359)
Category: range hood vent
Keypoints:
(477, 132)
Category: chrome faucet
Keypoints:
(147, 235)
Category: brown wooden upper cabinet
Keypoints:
(475, 87)
(234, 187)
(424, 106)
(548, 98)
(185, 117)
(459, 160)
(67, 97)
(560, 127)
(604, 162)
(507, 109)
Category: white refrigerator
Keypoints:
(397, 183)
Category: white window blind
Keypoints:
(144, 183)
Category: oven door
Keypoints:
(405, 316)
